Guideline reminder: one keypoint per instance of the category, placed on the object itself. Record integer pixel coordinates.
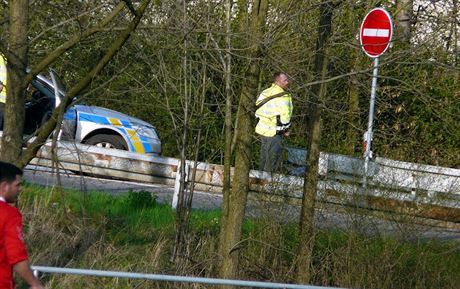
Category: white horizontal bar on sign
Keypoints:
(371, 32)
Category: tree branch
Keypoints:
(130, 7)
(70, 43)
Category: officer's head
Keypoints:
(281, 79)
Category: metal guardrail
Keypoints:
(172, 278)
(340, 176)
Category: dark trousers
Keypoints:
(271, 149)
(2, 113)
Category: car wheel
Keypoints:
(107, 141)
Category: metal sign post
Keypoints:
(375, 37)
(369, 133)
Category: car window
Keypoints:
(43, 87)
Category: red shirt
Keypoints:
(12, 247)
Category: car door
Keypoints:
(69, 120)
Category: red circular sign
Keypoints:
(376, 32)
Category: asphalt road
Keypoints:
(202, 200)
(327, 216)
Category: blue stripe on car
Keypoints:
(94, 118)
(145, 143)
(126, 124)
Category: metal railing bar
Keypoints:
(172, 278)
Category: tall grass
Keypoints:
(134, 233)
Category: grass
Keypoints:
(134, 233)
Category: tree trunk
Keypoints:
(455, 23)
(404, 15)
(181, 210)
(228, 110)
(228, 99)
(318, 91)
(14, 115)
(233, 210)
(228, 125)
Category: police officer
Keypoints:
(274, 120)
(2, 89)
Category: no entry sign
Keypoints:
(375, 37)
(376, 32)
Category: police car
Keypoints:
(87, 124)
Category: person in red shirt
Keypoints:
(13, 252)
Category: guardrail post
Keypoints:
(177, 183)
(176, 187)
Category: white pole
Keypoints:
(172, 278)
(175, 198)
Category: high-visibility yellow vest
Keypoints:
(3, 78)
(275, 115)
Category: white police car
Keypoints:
(89, 124)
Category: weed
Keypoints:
(141, 199)
(134, 233)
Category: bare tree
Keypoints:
(235, 201)
(228, 101)
(16, 88)
(318, 91)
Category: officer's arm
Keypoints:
(285, 111)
